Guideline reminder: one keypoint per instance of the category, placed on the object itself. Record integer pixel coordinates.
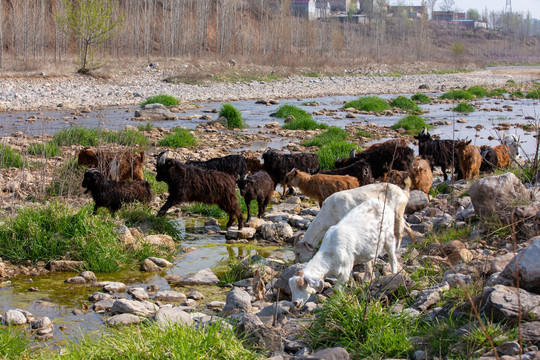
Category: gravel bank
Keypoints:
(74, 91)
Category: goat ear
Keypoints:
(316, 283)
(352, 154)
(300, 283)
(309, 246)
(468, 142)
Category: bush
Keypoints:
(412, 123)
(328, 154)
(179, 138)
(478, 91)
(304, 124)
(10, 158)
(463, 107)
(332, 135)
(457, 95)
(406, 104)
(367, 330)
(369, 103)
(233, 116)
(48, 149)
(165, 100)
(534, 94)
(421, 98)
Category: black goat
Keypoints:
(490, 160)
(192, 183)
(278, 165)
(441, 153)
(258, 186)
(235, 165)
(382, 158)
(359, 169)
(111, 193)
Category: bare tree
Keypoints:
(447, 5)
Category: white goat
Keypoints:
(358, 238)
(514, 144)
(337, 205)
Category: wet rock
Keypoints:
(14, 317)
(160, 262)
(244, 233)
(124, 320)
(154, 112)
(417, 201)
(125, 306)
(501, 302)
(149, 266)
(89, 276)
(160, 240)
(527, 268)
(216, 305)
(76, 280)
(203, 277)
(276, 231)
(66, 265)
(494, 193)
(170, 296)
(195, 295)
(169, 316)
(104, 305)
(114, 287)
(237, 301)
(138, 293)
(97, 296)
(41, 323)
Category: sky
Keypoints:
(492, 5)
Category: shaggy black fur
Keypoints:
(441, 153)
(192, 183)
(490, 160)
(235, 165)
(258, 186)
(278, 165)
(359, 169)
(111, 193)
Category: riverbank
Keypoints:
(136, 82)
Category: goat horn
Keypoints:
(352, 154)
(161, 158)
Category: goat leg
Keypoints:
(168, 204)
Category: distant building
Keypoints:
(471, 24)
(304, 8)
(414, 12)
(447, 16)
(344, 5)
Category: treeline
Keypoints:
(257, 30)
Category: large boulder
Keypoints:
(495, 193)
(502, 303)
(525, 267)
(276, 231)
(154, 112)
(259, 335)
(168, 316)
(237, 301)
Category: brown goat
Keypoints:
(503, 155)
(114, 165)
(421, 175)
(470, 159)
(397, 177)
(320, 186)
(253, 165)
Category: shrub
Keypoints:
(332, 135)
(457, 95)
(406, 104)
(366, 329)
(533, 94)
(369, 103)
(411, 123)
(421, 98)
(478, 91)
(233, 116)
(165, 100)
(463, 107)
(304, 124)
(10, 158)
(179, 138)
(328, 154)
(458, 49)
(48, 149)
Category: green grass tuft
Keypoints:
(48, 149)
(463, 107)
(405, 104)
(146, 127)
(533, 94)
(497, 93)
(209, 210)
(364, 133)
(457, 95)
(284, 111)
(13, 343)
(179, 138)
(333, 134)
(328, 154)
(369, 103)
(165, 100)
(412, 123)
(517, 94)
(10, 158)
(421, 98)
(233, 116)
(92, 137)
(478, 91)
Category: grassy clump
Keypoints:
(304, 124)
(328, 154)
(151, 341)
(146, 127)
(366, 329)
(13, 344)
(364, 133)
(497, 93)
(302, 119)
(142, 216)
(66, 181)
(405, 104)
(234, 270)
(48, 149)
(412, 123)
(533, 94)
(478, 91)
(233, 116)
(92, 137)
(463, 107)
(332, 135)
(51, 232)
(10, 158)
(517, 94)
(179, 138)
(165, 100)
(209, 210)
(369, 103)
(284, 111)
(421, 98)
(457, 95)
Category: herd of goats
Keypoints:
(357, 216)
